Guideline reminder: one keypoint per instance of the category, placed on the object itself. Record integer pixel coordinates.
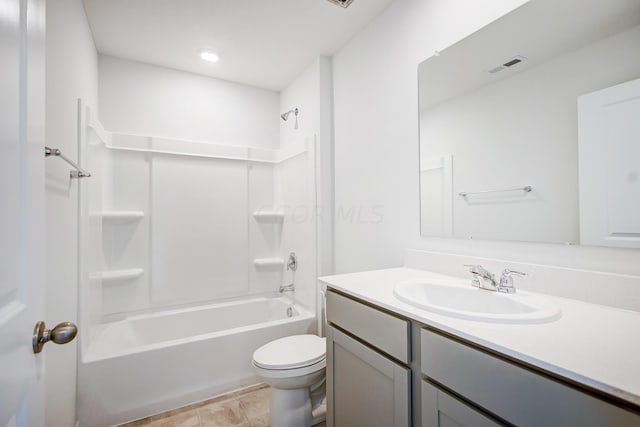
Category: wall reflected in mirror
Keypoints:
(530, 127)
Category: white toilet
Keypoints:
(294, 367)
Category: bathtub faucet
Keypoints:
(287, 288)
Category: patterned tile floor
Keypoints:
(244, 408)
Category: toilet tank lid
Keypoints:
(296, 351)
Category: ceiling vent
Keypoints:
(342, 3)
(510, 63)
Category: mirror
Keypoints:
(529, 128)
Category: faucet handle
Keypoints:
(506, 281)
(292, 262)
(477, 271)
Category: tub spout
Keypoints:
(287, 288)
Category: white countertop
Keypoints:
(594, 345)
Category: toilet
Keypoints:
(294, 367)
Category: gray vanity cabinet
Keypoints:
(511, 392)
(365, 385)
(376, 377)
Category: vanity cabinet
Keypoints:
(368, 382)
(511, 392)
(386, 370)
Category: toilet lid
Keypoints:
(291, 352)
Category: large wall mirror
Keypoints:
(530, 127)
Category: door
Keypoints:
(366, 389)
(609, 161)
(21, 209)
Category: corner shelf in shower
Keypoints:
(269, 216)
(116, 217)
(114, 276)
(268, 263)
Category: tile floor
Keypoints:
(244, 408)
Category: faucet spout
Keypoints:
(483, 278)
(287, 288)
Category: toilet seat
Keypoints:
(290, 353)
(272, 374)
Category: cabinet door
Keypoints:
(439, 409)
(364, 387)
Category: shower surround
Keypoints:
(183, 246)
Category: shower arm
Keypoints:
(77, 173)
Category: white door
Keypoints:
(21, 209)
(609, 160)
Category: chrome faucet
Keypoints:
(482, 278)
(287, 288)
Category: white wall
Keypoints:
(143, 99)
(376, 142)
(312, 93)
(376, 124)
(71, 73)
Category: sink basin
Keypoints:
(460, 299)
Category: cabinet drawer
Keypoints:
(384, 331)
(513, 393)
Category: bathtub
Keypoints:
(151, 363)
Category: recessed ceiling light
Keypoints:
(209, 56)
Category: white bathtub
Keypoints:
(152, 363)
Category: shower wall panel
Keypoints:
(295, 193)
(199, 229)
(265, 237)
(126, 243)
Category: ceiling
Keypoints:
(263, 43)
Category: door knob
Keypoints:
(62, 333)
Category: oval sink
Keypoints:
(466, 302)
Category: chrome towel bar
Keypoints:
(526, 189)
(77, 173)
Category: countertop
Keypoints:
(593, 345)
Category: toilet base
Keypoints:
(292, 408)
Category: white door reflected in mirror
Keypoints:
(610, 166)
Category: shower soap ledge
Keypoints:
(122, 216)
(269, 216)
(120, 275)
(268, 263)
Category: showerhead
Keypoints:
(285, 116)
